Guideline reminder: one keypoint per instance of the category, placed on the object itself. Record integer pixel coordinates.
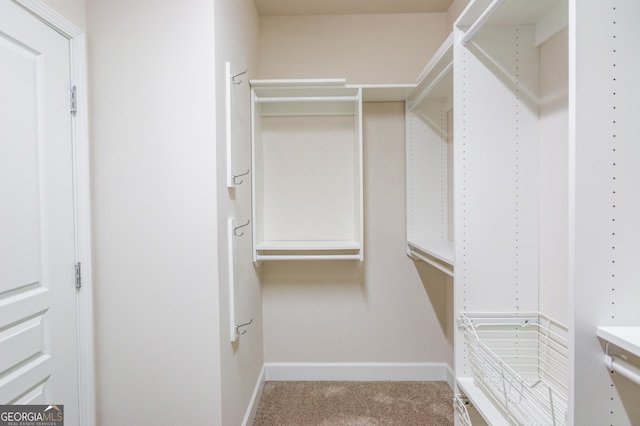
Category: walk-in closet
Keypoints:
(546, 329)
(433, 190)
(517, 219)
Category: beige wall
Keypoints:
(360, 48)
(457, 6)
(237, 42)
(152, 99)
(388, 309)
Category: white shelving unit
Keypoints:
(429, 168)
(307, 162)
(605, 208)
(522, 136)
(501, 134)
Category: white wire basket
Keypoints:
(461, 412)
(520, 361)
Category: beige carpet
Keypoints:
(355, 403)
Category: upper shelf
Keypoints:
(386, 92)
(549, 16)
(436, 79)
(627, 338)
(305, 97)
(309, 245)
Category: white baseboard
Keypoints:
(451, 377)
(252, 409)
(359, 371)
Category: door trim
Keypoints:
(80, 141)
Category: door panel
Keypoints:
(38, 328)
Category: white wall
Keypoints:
(73, 10)
(388, 308)
(152, 100)
(236, 41)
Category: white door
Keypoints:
(38, 328)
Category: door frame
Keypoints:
(82, 202)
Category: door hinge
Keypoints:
(78, 275)
(74, 100)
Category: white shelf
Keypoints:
(308, 250)
(436, 79)
(549, 16)
(304, 84)
(441, 250)
(308, 245)
(627, 338)
(386, 92)
(438, 254)
(370, 92)
(481, 402)
(506, 12)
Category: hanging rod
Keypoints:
(235, 229)
(233, 76)
(235, 177)
(273, 99)
(484, 17)
(621, 366)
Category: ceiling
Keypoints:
(345, 7)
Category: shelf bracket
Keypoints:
(620, 365)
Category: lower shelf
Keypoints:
(308, 250)
(438, 254)
(483, 404)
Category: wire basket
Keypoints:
(521, 363)
(461, 412)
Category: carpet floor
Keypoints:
(355, 403)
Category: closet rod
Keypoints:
(261, 257)
(432, 85)
(432, 263)
(308, 99)
(622, 367)
(473, 29)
